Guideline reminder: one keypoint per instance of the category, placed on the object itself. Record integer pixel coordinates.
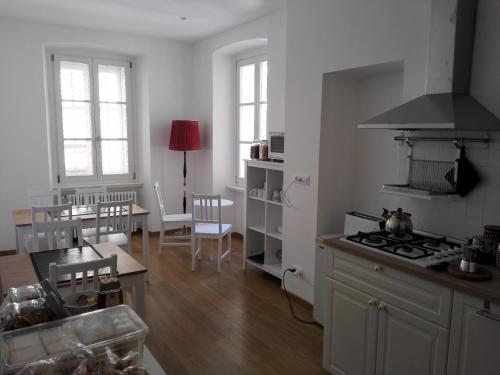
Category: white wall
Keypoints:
(327, 36)
(164, 90)
(211, 63)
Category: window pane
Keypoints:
(247, 83)
(111, 83)
(244, 154)
(263, 81)
(247, 114)
(78, 158)
(263, 121)
(113, 120)
(74, 81)
(114, 157)
(76, 120)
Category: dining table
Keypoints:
(23, 223)
(18, 270)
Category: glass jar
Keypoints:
(264, 150)
(254, 150)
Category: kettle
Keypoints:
(398, 222)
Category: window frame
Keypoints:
(255, 60)
(93, 61)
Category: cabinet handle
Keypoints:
(372, 302)
(381, 307)
(489, 315)
(378, 268)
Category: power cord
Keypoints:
(286, 201)
(292, 270)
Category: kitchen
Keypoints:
(396, 160)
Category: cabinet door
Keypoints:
(350, 332)
(474, 338)
(409, 345)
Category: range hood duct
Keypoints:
(447, 103)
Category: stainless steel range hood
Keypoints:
(447, 103)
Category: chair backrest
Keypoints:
(113, 217)
(204, 206)
(47, 214)
(159, 199)
(44, 197)
(59, 234)
(90, 195)
(81, 271)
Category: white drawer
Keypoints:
(420, 297)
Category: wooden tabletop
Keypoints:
(488, 290)
(23, 217)
(17, 270)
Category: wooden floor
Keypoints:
(235, 322)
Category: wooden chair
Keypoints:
(207, 225)
(81, 271)
(45, 214)
(44, 197)
(171, 221)
(113, 224)
(58, 234)
(90, 195)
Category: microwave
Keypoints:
(277, 145)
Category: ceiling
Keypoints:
(158, 18)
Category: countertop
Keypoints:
(487, 290)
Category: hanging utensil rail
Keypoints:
(457, 141)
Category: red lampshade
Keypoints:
(185, 135)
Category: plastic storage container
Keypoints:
(118, 328)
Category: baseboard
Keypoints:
(8, 252)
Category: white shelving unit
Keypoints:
(262, 217)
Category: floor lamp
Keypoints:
(184, 136)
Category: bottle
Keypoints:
(264, 151)
(254, 150)
(110, 293)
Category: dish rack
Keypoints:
(430, 178)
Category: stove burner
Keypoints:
(401, 237)
(409, 251)
(374, 240)
(406, 249)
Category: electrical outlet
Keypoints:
(299, 271)
(302, 179)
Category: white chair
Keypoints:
(90, 195)
(81, 271)
(207, 225)
(58, 234)
(171, 221)
(45, 214)
(44, 197)
(113, 224)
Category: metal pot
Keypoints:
(398, 222)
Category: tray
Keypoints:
(482, 274)
(42, 259)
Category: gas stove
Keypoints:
(420, 248)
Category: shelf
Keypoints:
(257, 199)
(257, 229)
(273, 269)
(428, 197)
(275, 203)
(276, 235)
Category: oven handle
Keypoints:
(486, 312)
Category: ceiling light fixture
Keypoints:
(183, 18)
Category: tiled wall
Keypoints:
(461, 217)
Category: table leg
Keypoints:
(20, 245)
(139, 297)
(145, 242)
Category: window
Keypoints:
(92, 102)
(252, 106)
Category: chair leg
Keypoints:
(199, 247)
(193, 253)
(162, 238)
(219, 253)
(229, 246)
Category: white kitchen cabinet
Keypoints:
(350, 331)
(474, 337)
(409, 345)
